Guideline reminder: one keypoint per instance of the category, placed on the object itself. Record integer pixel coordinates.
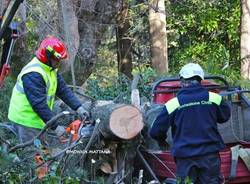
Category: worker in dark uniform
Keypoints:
(32, 100)
(193, 116)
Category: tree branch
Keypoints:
(48, 124)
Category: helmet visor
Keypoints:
(54, 54)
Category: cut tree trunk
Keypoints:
(118, 120)
(118, 130)
(149, 118)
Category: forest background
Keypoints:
(110, 41)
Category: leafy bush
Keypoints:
(5, 94)
(119, 88)
(206, 32)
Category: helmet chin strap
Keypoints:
(49, 60)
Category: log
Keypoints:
(135, 95)
(149, 118)
(236, 129)
(118, 120)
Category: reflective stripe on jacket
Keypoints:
(20, 110)
(174, 104)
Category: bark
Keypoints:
(126, 152)
(236, 129)
(22, 43)
(118, 120)
(135, 95)
(22, 11)
(157, 23)
(124, 42)
(94, 18)
(245, 37)
(3, 5)
(149, 118)
(84, 25)
(45, 13)
(70, 31)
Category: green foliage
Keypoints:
(148, 76)
(108, 89)
(5, 94)
(15, 170)
(208, 33)
(139, 31)
(119, 88)
(11, 170)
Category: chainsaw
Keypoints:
(80, 128)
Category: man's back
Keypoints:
(194, 122)
(193, 116)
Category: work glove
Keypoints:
(82, 112)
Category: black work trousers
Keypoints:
(199, 170)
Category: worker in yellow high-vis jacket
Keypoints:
(37, 85)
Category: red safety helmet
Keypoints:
(54, 46)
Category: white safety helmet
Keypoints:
(190, 70)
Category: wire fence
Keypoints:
(45, 17)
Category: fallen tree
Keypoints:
(118, 120)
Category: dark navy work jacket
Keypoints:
(193, 116)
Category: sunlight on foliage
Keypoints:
(207, 33)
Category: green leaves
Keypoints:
(208, 33)
(5, 94)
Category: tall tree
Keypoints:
(69, 28)
(245, 37)
(94, 18)
(124, 42)
(157, 23)
(3, 5)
